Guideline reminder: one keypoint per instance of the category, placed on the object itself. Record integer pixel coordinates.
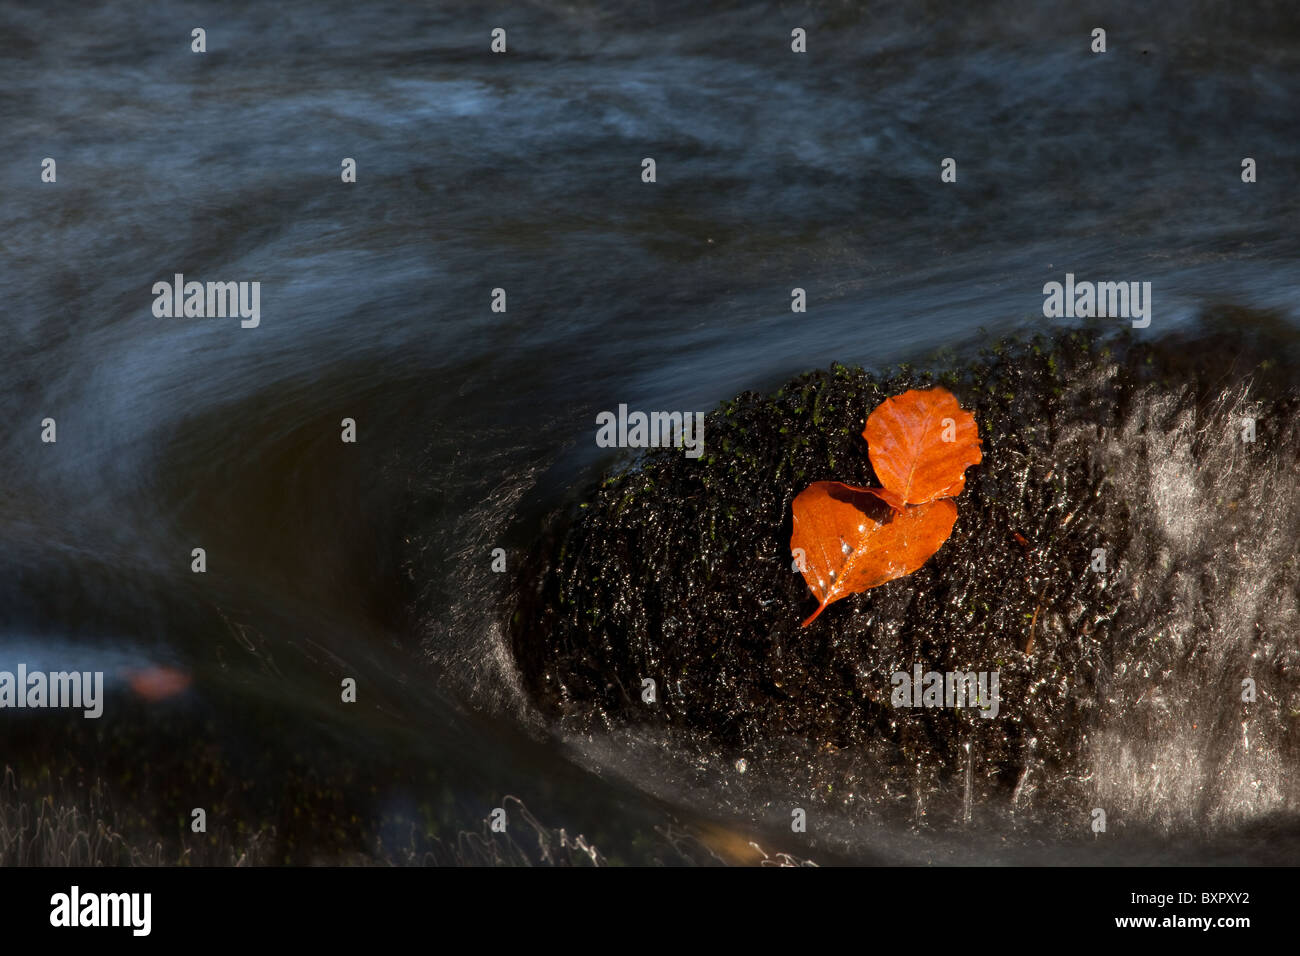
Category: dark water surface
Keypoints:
(328, 560)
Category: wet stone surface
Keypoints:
(679, 570)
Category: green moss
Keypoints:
(696, 577)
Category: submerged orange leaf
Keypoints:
(852, 541)
(158, 683)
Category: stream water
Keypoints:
(523, 171)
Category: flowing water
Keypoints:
(522, 172)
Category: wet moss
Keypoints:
(690, 583)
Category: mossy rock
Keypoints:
(679, 570)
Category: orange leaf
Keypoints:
(921, 444)
(887, 496)
(852, 541)
(158, 683)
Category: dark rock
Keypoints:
(679, 570)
